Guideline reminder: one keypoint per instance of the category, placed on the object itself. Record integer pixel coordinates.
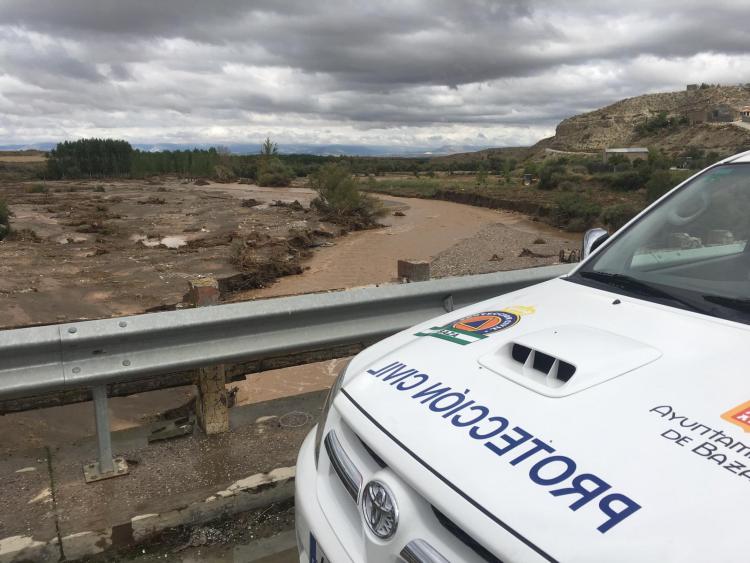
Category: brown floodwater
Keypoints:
(370, 257)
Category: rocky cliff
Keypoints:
(616, 125)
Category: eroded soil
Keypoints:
(100, 249)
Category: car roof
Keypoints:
(741, 157)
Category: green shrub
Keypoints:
(4, 219)
(274, 173)
(36, 189)
(615, 216)
(567, 186)
(549, 177)
(594, 166)
(625, 181)
(660, 183)
(482, 175)
(656, 123)
(339, 199)
(575, 212)
(224, 174)
(658, 160)
(407, 187)
(622, 167)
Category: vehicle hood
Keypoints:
(639, 451)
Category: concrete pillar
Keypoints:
(212, 406)
(413, 270)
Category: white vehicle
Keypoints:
(602, 416)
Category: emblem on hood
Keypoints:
(739, 415)
(478, 326)
(379, 509)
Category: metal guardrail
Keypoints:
(94, 353)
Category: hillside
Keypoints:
(516, 153)
(691, 125)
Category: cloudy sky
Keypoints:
(402, 72)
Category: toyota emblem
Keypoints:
(379, 509)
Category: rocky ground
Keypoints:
(499, 247)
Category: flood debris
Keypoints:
(527, 253)
(131, 249)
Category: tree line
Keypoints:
(99, 158)
(90, 157)
(112, 158)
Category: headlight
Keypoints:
(335, 388)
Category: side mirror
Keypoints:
(592, 239)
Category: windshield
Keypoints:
(689, 252)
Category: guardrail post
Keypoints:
(106, 467)
(413, 270)
(212, 406)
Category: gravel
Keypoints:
(498, 247)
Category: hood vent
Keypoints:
(562, 360)
(553, 368)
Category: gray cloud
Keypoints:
(413, 71)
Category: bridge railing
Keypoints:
(246, 336)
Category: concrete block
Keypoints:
(414, 270)
(203, 292)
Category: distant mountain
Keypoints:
(299, 148)
(322, 150)
(29, 147)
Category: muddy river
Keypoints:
(427, 228)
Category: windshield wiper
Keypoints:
(626, 282)
(736, 303)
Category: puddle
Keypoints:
(169, 242)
